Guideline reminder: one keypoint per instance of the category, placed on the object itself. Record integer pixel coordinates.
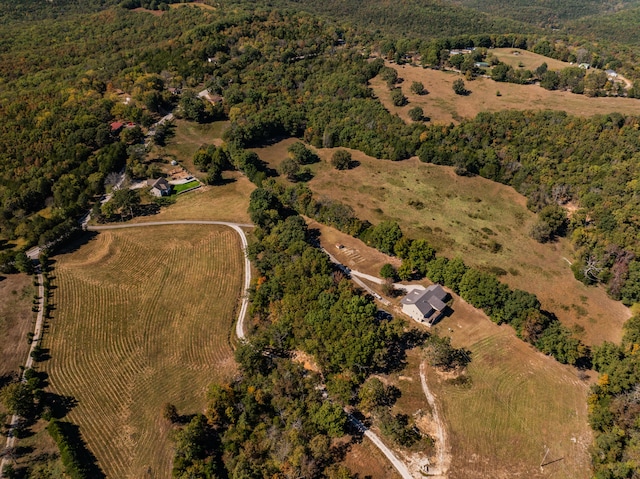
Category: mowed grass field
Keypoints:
(470, 218)
(442, 105)
(519, 403)
(143, 317)
(16, 320)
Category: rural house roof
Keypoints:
(428, 299)
(160, 184)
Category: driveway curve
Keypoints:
(243, 238)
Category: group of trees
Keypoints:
(614, 406)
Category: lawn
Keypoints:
(143, 317)
(483, 222)
(442, 105)
(16, 320)
(185, 186)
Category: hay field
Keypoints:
(466, 217)
(16, 320)
(442, 105)
(143, 317)
(519, 403)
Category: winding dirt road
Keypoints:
(444, 457)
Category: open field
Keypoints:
(442, 105)
(529, 60)
(519, 403)
(143, 317)
(470, 218)
(187, 137)
(16, 320)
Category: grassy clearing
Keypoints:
(442, 105)
(529, 60)
(143, 317)
(189, 136)
(228, 202)
(16, 320)
(483, 222)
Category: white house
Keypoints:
(159, 187)
(425, 306)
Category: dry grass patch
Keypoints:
(529, 60)
(16, 320)
(442, 105)
(187, 137)
(228, 202)
(143, 317)
(366, 460)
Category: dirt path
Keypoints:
(37, 335)
(444, 455)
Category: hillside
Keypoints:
(546, 12)
(423, 19)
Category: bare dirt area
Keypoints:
(350, 251)
(442, 105)
(16, 320)
(142, 317)
(364, 459)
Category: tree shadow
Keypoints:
(58, 404)
(77, 243)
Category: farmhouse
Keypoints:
(425, 306)
(611, 74)
(159, 187)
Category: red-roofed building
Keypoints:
(116, 126)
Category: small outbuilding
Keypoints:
(425, 306)
(159, 187)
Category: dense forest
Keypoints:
(546, 13)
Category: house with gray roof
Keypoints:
(159, 187)
(427, 305)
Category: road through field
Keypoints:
(243, 238)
